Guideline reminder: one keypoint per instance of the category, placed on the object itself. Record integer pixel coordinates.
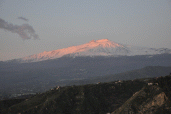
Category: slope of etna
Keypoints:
(103, 47)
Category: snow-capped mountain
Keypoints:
(103, 47)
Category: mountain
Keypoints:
(103, 47)
(38, 74)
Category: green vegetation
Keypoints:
(7, 103)
(93, 99)
(99, 98)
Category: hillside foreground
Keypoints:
(143, 95)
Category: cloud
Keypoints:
(25, 31)
(22, 18)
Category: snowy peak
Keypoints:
(92, 48)
(103, 47)
(103, 43)
(103, 40)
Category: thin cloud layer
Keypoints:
(22, 18)
(25, 31)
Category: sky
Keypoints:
(29, 27)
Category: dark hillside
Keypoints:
(147, 72)
(148, 95)
(7, 103)
(154, 98)
(93, 99)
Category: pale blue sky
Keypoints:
(63, 23)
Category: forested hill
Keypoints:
(99, 98)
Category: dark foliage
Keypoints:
(93, 99)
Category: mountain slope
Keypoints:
(144, 101)
(33, 81)
(152, 99)
(147, 72)
(89, 99)
(103, 47)
(101, 98)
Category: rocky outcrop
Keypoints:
(149, 100)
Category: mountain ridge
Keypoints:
(154, 98)
(103, 47)
(149, 95)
